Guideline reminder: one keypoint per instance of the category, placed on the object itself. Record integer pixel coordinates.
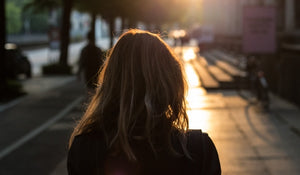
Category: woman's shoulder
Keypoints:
(203, 150)
(88, 136)
(87, 140)
(86, 144)
(196, 133)
(197, 136)
(199, 142)
(85, 153)
(195, 141)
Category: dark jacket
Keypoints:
(87, 155)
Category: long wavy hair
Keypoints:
(141, 96)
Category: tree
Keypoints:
(149, 11)
(67, 5)
(152, 12)
(13, 18)
(3, 83)
(65, 32)
(91, 7)
(158, 12)
(38, 23)
(42, 5)
(109, 10)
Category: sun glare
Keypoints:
(199, 118)
(189, 55)
(192, 78)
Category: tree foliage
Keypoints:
(109, 10)
(33, 12)
(13, 18)
(39, 23)
(38, 6)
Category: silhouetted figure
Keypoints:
(257, 80)
(136, 123)
(184, 40)
(90, 62)
(251, 72)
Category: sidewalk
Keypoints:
(288, 112)
(228, 65)
(283, 110)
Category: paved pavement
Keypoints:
(249, 140)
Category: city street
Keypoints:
(249, 140)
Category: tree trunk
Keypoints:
(111, 21)
(2, 50)
(65, 32)
(93, 25)
(124, 25)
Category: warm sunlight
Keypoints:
(177, 33)
(196, 99)
(189, 54)
(199, 119)
(192, 77)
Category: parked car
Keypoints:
(16, 62)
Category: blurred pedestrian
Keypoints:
(90, 62)
(251, 68)
(136, 123)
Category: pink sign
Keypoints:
(259, 26)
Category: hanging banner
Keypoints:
(259, 30)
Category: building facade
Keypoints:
(226, 16)
(282, 67)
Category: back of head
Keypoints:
(147, 72)
(141, 93)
